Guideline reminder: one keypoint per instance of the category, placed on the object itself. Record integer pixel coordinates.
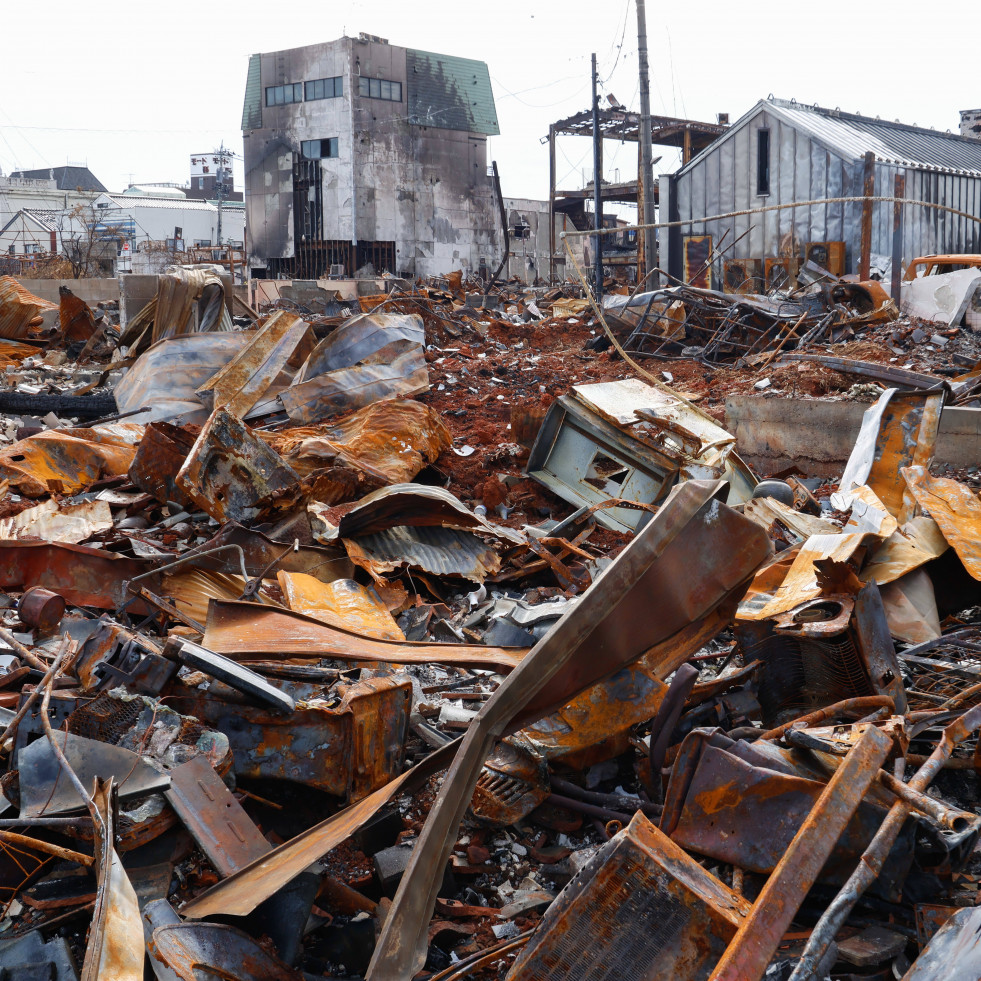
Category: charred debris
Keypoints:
(447, 634)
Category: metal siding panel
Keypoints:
(449, 93)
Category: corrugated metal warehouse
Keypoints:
(781, 152)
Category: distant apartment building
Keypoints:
(360, 153)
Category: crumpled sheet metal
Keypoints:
(242, 892)
(440, 551)
(245, 631)
(159, 457)
(919, 541)
(399, 369)
(392, 440)
(75, 316)
(262, 554)
(68, 461)
(953, 951)
(343, 603)
(412, 525)
(229, 470)
(190, 300)
(694, 557)
(83, 576)
(899, 431)
(165, 378)
(955, 508)
(348, 751)
(246, 378)
(360, 338)
(722, 792)
(54, 522)
(414, 505)
(115, 947)
(20, 309)
(196, 950)
(192, 590)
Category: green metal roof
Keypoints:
(450, 93)
(252, 109)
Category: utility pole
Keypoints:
(220, 186)
(646, 176)
(597, 191)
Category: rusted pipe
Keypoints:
(666, 719)
(590, 810)
(35, 695)
(32, 659)
(750, 950)
(856, 705)
(47, 848)
(870, 864)
(949, 817)
(612, 801)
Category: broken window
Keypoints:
(762, 161)
(281, 95)
(324, 88)
(379, 88)
(318, 149)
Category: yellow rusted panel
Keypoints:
(61, 461)
(342, 603)
(955, 508)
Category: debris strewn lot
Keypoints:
(421, 636)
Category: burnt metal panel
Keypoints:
(216, 820)
(252, 108)
(450, 93)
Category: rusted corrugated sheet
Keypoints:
(244, 630)
(441, 551)
(245, 379)
(19, 308)
(412, 505)
(391, 440)
(398, 368)
(66, 462)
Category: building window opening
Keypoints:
(324, 88)
(762, 161)
(319, 149)
(379, 88)
(281, 95)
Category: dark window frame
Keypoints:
(315, 149)
(276, 95)
(376, 88)
(763, 161)
(323, 88)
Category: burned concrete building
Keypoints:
(361, 153)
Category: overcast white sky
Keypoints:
(133, 89)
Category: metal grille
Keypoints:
(647, 921)
(803, 672)
(105, 719)
(942, 671)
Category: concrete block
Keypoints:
(817, 435)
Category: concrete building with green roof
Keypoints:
(360, 153)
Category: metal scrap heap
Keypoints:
(440, 634)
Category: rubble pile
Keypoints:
(428, 635)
